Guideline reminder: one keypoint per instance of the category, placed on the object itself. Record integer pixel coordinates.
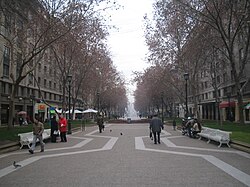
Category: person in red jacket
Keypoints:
(63, 128)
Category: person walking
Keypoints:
(174, 124)
(100, 123)
(156, 125)
(63, 128)
(54, 129)
(37, 129)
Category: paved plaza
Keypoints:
(124, 155)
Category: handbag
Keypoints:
(56, 132)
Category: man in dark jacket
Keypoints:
(100, 122)
(155, 126)
(54, 129)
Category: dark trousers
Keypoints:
(100, 128)
(53, 138)
(155, 138)
(63, 136)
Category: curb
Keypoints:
(240, 146)
(9, 147)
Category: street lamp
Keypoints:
(69, 77)
(186, 77)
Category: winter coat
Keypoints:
(62, 124)
(156, 124)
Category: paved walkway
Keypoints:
(124, 155)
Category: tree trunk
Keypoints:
(240, 105)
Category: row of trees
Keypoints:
(68, 37)
(202, 38)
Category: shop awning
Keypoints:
(226, 104)
(247, 106)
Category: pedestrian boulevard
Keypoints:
(124, 155)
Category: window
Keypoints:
(55, 97)
(44, 83)
(28, 91)
(22, 92)
(224, 77)
(10, 88)
(225, 91)
(54, 85)
(45, 70)
(6, 61)
(205, 84)
(3, 87)
(218, 79)
(30, 79)
(50, 84)
(39, 67)
(39, 80)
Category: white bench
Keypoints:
(27, 138)
(217, 135)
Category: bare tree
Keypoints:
(32, 32)
(230, 20)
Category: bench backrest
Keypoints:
(24, 135)
(216, 132)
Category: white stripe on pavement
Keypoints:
(234, 172)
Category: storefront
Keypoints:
(227, 110)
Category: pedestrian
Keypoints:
(100, 122)
(189, 126)
(54, 129)
(156, 125)
(174, 124)
(63, 127)
(37, 129)
(196, 128)
(20, 120)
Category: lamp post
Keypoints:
(69, 77)
(32, 98)
(98, 102)
(186, 77)
(162, 113)
(229, 106)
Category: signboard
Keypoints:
(41, 108)
(52, 110)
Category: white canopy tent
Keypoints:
(90, 111)
(75, 111)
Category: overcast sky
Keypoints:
(127, 44)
